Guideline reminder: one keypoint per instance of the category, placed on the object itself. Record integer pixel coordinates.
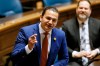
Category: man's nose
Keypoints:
(83, 9)
(50, 21)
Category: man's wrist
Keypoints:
(97, 50)
(27, 49)
(73, 53)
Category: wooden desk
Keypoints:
(10, 26)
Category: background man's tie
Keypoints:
(83, 40)
(83, 43)
(44, 51)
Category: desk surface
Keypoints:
(15, 20)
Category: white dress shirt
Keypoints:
(86, 36)
(41, 31)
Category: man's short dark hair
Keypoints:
(84, 0)
(49, 8)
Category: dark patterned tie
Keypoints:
(83, 40)
(83, 43)
(44, 51)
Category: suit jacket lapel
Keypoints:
(76, 30)
(38, 45)
(91, 30)
(53, 45)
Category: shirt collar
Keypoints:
(80, 22)
(42, 31)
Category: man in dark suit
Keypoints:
(73, 28)
(28, 46)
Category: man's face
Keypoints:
(83, 11)
(49, 20)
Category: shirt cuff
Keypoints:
(98, 51)
(27, 49)
(73, 53)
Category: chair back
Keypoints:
(10, 7)
(55, 2)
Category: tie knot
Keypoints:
(45, 33)
(82, 24)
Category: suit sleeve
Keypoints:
(64, 28)
(19, 54)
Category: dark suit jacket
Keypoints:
(71, 28)
(58, 47)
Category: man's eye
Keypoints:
(54, 20)
(81, 8)
(86, 8)
(48, 18)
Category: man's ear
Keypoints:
(90, 11)
(41, 17)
